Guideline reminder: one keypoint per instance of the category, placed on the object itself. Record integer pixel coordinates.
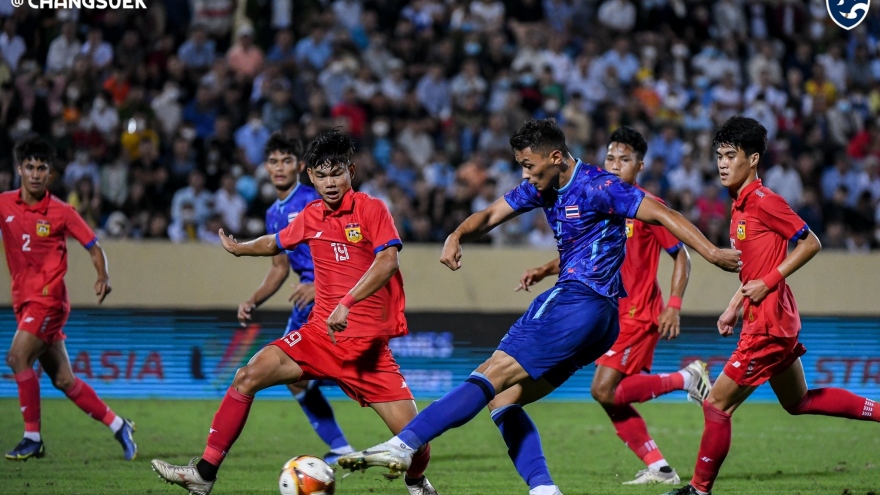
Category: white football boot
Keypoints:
(649, 477)
(395, 458)
(700, 384)
(187, 476)
(423, 487)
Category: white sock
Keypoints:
(544, 490)
(655, 466)
(116, 424)
(701, 493)
(343, 450)
(400, 444)
(33, 435)
(688, 378)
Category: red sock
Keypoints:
(419, 464)
(29, 399)
(227, 425)
(86, 399)
(836, 402)
(631, 428)
(713, 447)
(641, 388)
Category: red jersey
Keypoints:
(35, 241)
(344, 244)
(761, 226)
(644, 300)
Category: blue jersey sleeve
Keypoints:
(611, 195)
(523, 197)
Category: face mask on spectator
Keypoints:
(72, 94)
(255, 123)
(23, 125)
(188, 133)
(551, 105)
(100, 104)
(527, 79)
(59, 130)
(82, 156)
(844, 106)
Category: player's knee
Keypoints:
(602, 394)
(247, 380)
(63, 382)
(16, 361)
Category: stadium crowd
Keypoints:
(159, 117)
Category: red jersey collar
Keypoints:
(41, 206)
(749, 189)
(346, 206)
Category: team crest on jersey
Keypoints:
(353, 233)
(741, 230)
(43, 228)
(291, 216)
(629, 227)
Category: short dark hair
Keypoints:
(35, 148)
(744, 133)
(283, 144)
(629, 136)
(542, 136)
(329, 148)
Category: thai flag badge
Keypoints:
(572, 212)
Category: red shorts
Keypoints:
(44, 322)
(363, 367)
(633, 351)
(760, 357)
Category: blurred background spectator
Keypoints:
(159, 117)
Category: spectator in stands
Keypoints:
(63, 50)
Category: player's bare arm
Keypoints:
(99, 259)
(669, 321)
(273, 280)
(807, 247)
(473, 228)
(727, 320)
(383, 268)
(261, 246)
(534, 275)
(303, 294)
(653, 212)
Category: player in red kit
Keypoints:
(762, 225)
(35, 226)
(359, 303)
(619, 380)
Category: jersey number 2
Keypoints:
(26, 238)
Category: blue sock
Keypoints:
(454, 409)
(523, 444)
(320, 415)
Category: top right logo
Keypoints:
(847, 13)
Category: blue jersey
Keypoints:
(588, 217)
(282, 213)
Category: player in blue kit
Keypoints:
(566, 327)
(283, 166)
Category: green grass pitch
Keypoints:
(772, 453)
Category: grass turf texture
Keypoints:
(772, 453)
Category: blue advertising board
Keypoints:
(194, 354)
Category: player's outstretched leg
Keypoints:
(790, 387)
(615, 392)
(271, 366)
(57, 365)
(694, 378)
(521, 435)
(396, 415)
(320, 414)
(21, 357)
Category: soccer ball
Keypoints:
(307, 475)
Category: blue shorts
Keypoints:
(565, 329)
(298, 318)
